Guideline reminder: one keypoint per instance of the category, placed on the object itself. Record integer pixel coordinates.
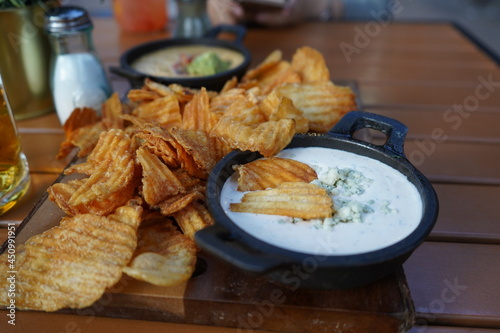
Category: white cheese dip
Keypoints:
(376, 206)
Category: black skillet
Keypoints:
(227, 241)
(212, 82)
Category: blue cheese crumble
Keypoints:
(344, 185)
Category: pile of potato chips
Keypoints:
(140, 194)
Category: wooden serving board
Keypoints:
(219, 294)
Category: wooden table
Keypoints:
(430, 77)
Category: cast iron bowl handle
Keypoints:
(126, 73)
(357, 120)
(239, 32)
(219, 241)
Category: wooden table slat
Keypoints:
(455, 284)
(452, 96)
(455, 161)
(479, 127)
(460, 204)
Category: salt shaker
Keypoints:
(192, 18)
(77, 77)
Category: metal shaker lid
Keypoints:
(67, 19)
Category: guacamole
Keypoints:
(207, 63)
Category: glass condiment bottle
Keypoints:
(77, 77)
(192, 18)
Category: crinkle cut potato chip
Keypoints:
(178, 202)
(310, 65)
(112, 110)
(197, 144)
(164, 111)
(196, 113)
(268, 138)
(193, 217)
(164, 256)
(158, 181)
(244, 127)
(156, 139)
(322, 103)
(293, 199)
(82, 129)
(111, 181)
(221, 103)
(277, 107)
(275, 76)
(72, 265)
(273, 59)
(272, 172)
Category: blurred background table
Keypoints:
(427, 75)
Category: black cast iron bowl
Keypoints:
(227, 241)
(211, 82)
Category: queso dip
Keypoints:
(376, 206)
(171, 61)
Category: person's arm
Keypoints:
(294, 11)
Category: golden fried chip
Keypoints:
(192, 218)
(112, 110)
(189, 164)
(277, 107)
(71, 265)
(273, 59)
(197, 146)
(244, 127)
(160, 89)
(230, 84)
(158, 181)
(277, 75)
(187, 180)
(196, 113)
(310, 65)
(80, 117)
(111, 167)
(221, 103)
(82, 130)
(293, 199)
(183, 94)
(164, 256)
(221, 148)
(272, 172)
(107, 140)
(180, 201)
(60, 194)
(156, 139)
(84, 138)
(322, 103)
(164, 111)
(245, 111)
(190, 149)
(135, 121)
(142, 95)
(268, 138)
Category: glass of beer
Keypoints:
(14, 172)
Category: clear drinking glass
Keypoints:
(192, 19)
(141, 16)
(14, 172)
